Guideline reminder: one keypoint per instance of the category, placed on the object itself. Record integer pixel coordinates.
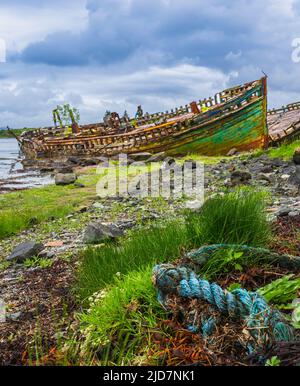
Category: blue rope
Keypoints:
(263, 322)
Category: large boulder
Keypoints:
(25, 251)
(96, 232)
(65, 178)
(296, 156)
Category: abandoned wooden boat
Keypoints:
(234, 118)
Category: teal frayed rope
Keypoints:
(203, 254)
(264, 323)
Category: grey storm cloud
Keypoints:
(202, 31)
(156, 52)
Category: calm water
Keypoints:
(13, 175)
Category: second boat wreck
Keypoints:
(234, 118)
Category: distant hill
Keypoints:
(5, 134)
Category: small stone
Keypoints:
(55, 243)
(284, 212)
(25, 251)
(267, 169)
(157, 157)
(239, 177)
(79, 185)
(98, 205)
(264, 177)
(89, 162)
(14, 317)
(232, 152)
(140, 157)
(194, 205)
(96, 232)
(296, 156)
(285, 176)
(294, 213)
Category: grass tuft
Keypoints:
(235, 218)
(119, 319)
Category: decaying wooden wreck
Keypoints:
(234, 118)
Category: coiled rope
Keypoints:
(264, 323)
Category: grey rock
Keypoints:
(267, 169)
(140, 157)
(89, 162)
(25, 251)
(232, 152)
(74, 160)
(96, 232)
(79, 185)
(294, 213)
(65, 179)
(265, 177)
(62, 169)
(47, 169)
(294, 178)
(282, 212)
(296, 156)
(13, 317)
(47, 254)
(240, 177)
(157, 157)
(98, 205)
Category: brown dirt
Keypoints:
(43, 296)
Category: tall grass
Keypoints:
(235, 218)
(100, 265)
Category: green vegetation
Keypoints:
(6, 134)
(281, 291)
(38, 262)
(274, 362)
(119, 319)
(100, 265)
(235, 218)
(21, 210)
(285, 151)
(66, 113)
(226, 261)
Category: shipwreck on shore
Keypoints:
(236, 118)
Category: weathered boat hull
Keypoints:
(244, 130)
(236, 118)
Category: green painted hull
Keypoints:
(244, 130)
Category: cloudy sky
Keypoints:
(116, 54)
